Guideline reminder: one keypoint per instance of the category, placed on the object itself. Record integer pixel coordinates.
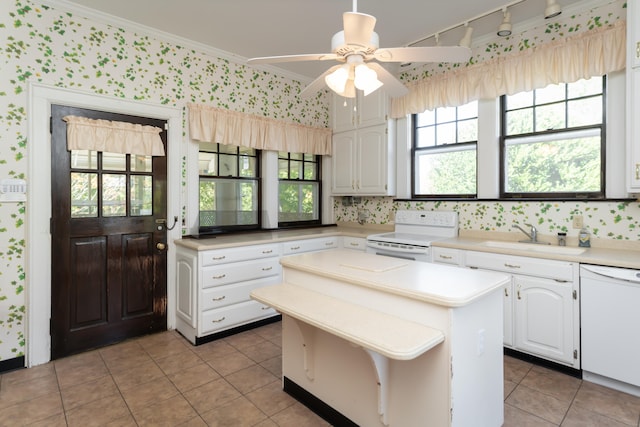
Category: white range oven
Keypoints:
(414, 231)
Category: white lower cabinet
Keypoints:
(447, 256)
(309, 245)
(354, 243)
(541, 308)
(214, 286)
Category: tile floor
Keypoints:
(162, 380)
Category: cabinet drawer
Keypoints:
(233, 315)
(309, 245)
(447, 256)
(221, 296)
(355, 243)
(538, 267)
(245, 253)
(239, 272)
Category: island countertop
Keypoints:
(436, 284)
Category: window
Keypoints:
(229, 188)
(444, 152)
(298, 189)
(553, 141)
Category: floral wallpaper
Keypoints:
(605, 220)
(40, 43)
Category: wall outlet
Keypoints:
(578, 221)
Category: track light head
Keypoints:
(505, 28)
(553, 9)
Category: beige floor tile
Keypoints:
(90, 391)
(141, 374)
(251, 378)
(58, 420)
(515, 369)
(271, 399)
(561, 386)
(78, 369)
(244, 339)
(262, 351)
(23, 391)
(31, 411)
(211, 395)
(534, 402)
(169, 346)
(266, 423)
(193, 377)
(214, 350)
(298, 415)
(194, 422)
(173, 411)
(230, 363)
(143, 395)
(98, 413)
(21, 375)
(179, 361)
(237, 413)
(130, 359)
(514, 417)
(584, 418)
(508, 388)
(611, 403)
(271, 332)
(274, 366)
(71, 363)
(126, 349)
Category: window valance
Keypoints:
(113, 137)
(592, 53)
(210, 124)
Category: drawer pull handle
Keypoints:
(218, 298)
(218, 258)
(445, 257)
(354, 244)
(267, 251)
(222, 276)
(295, 248)
(511, 265)
(328, 244)
(267, 268)
(506, 292)
(638, 50)
(519, 297)
(219, 320)
(637, 170)
(266, 308)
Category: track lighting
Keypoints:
(552, 9)
(504, 29)
(466, 40)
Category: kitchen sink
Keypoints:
(533, 247)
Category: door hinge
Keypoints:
(51, 226)
(166, 126)
(575, 354)
(575, 294)
(50, 124)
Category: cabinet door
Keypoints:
(633, 34)
(343, 113)
(544, 318)
(371, 109)
(354, 243)
(372, 161)
(186, 287)
(447, 256)
(507, 308)
(343, 169)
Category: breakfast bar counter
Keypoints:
(377, 341)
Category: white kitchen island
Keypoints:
(385, 341)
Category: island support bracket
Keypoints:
(381, 366)
(308, 333)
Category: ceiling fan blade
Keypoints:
(292, 58)
(358, 28)
(317, 84)
(424, 54)
(392, 86)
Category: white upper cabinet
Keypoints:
(361, 111)
(633, 97)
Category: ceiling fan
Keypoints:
(357, 47)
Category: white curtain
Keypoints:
(210, 124)
(113, 137)
(592, 53)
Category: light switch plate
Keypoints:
(578, 221)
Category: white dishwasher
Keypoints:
(610, 321)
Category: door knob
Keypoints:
(161, 246)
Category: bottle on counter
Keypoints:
(584, 238)
(562, 239)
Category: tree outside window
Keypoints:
(299, 189)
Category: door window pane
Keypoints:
(114, 161)
(141, 195)
(141, 163)
(114, 195)
(84, 195)
(84, 159)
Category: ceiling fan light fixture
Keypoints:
(337, 81)
(366, 79)
(505, 27)
(553, 9)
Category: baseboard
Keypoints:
(544, 362)
(237, 329)
(323, 410)
(12, 364)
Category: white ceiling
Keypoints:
(252, 28)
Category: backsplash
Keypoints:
(605, 220)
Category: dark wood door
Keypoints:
(108, 260)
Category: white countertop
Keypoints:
(436, 284)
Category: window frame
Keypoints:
(457, 146)
(578, 195)
(208, 230)
(318, 166)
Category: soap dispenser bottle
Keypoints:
(584, 238)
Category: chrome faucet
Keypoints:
(532, 235)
